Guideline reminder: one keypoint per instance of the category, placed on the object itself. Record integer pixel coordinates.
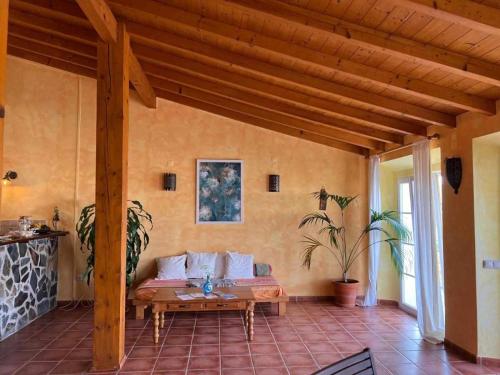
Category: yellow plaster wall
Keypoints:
(50, 141)
(458, 230)
(486, 154)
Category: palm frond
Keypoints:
(315, 218)
(342, 202)
(311, 245)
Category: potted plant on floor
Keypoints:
(137, 237)
(346, 252)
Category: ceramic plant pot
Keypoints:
(345, 292)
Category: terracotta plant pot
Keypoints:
(345, 293)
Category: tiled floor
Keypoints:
(310, 336)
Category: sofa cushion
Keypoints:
(220, 265)
(200, 264)
(239, 266)
(171, 268)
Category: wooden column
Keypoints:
(111, 200)
(4, 15)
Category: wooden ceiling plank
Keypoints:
(52, 41)
(269, 125)
(464, 12)
(101, 18)
(401, 84)
(54, 63)
(52, 52)
(156, 14)
(161, 39)
(383, 42)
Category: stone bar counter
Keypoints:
(28, 280)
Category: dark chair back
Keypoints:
(357, 364)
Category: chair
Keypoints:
(357, 364)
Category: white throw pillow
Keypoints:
(200, 264)
(220, 266)
(239, 266)
(171, 268)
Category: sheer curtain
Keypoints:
(426, 222)
(374, 236)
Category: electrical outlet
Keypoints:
(491, 264)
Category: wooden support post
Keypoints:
(4, 15)
(111, 201)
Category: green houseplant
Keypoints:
(137, 237)
(346, 252)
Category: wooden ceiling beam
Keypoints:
(168, 18)
(265, 124)
(163, 40)
(105, 24)
(397, 82)
(101, 18)
(467, 13)
(159, 58)
(253, 105)
(407, 49)
(390, 105)
(284, 124)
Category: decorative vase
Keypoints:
(207, 287)
(345, 292)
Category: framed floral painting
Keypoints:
(219, 191)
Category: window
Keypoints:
(408, 285)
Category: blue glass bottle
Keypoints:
(207, 286)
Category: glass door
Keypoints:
(408, 284)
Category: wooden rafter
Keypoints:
(280, 123)
(364, 37)
(309, 107)
(105, 24)
(149, 12)
(174, 18)
(464, 12)
(161, 39)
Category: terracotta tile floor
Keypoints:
(310, 336)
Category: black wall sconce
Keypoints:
(274, 183)
(454, 172)
(9, 176)
(170, 181)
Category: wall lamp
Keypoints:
(9, 176)
(274, 183)
(170, 181)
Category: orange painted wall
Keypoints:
(458, 231)
(50, 142)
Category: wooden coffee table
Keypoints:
(166, 300)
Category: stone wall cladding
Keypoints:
(28, 283)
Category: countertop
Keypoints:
(32, 238)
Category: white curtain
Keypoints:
(374, 236)
(425, 232)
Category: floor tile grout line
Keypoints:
(162, 343)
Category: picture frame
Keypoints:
(219, 191)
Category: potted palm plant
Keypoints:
(137, 237)
(346, 252)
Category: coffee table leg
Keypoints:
(250, 320)
(162, 319)
(156, 331)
